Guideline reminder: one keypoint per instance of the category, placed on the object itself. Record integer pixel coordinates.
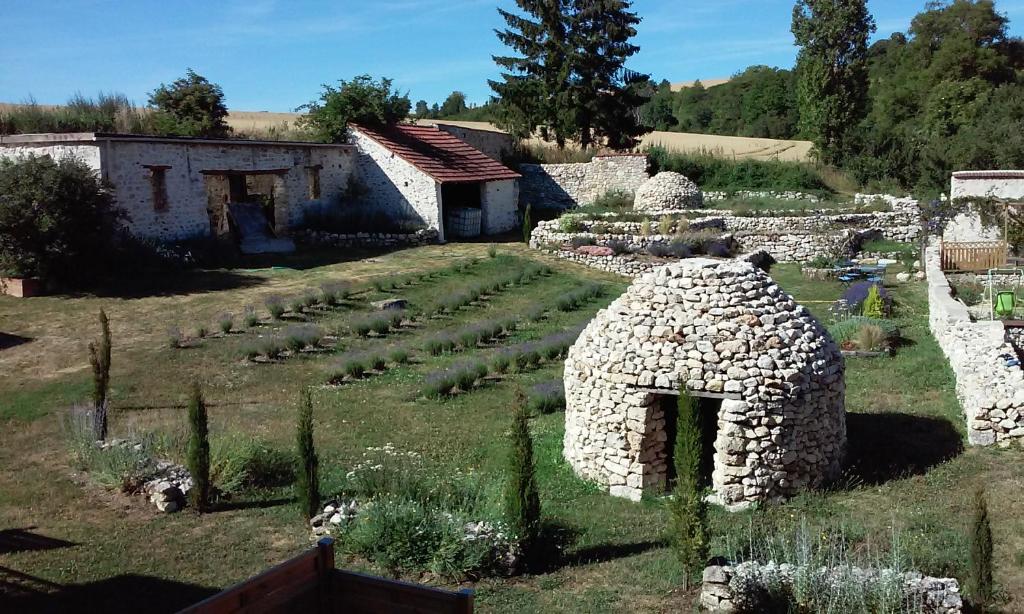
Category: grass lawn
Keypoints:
(908, 466)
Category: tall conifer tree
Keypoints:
(832, 70)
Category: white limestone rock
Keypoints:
(668, 190)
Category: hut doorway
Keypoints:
(708, 409)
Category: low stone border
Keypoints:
(819, 274)
(787, 195)
(990, 392)
(727, 589)
(367, 239)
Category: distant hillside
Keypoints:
(705, 82)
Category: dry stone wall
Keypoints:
(719, 328)
(991, 392)
(740, 588)
(563, 186)
(368, 239)
(495, 145)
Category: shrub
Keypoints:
(334, 292)
(395, 317)
(855, 295)
(492, 251)
(969, 294)
(618, 247)
(271, 347)
(190, 106)
(57, 219)
(570, 223)
(439, 384)
(578, 242)
(381, 324)
(99, 360)
(250, 351)
(307, 487)
(352, 366)
(873, 305)
(310, 298)
(398, 356)
(600, 228)
(249, 317)
(613, 200)
(846, 330)
(297, 305)
(500, 361)
(225, 322)
(361, 326)
(440, 344)
(377, 362)
(665, 225)
(275, 305)
(689, 512)
(658, 250)
(522, 501)
(870, 338)
(201, 331)
(198, 451)
(980, 556)
(126, 466)
(468, 338)
(240, 463)
(296, 338)
(546, 397)
(679, 249)
(175, 338)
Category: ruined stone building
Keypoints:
(178, 188)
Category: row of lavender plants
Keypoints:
(520, 358)
(329, 296)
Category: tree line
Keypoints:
(945, 95)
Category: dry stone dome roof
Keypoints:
(722, 329)
(668, 190)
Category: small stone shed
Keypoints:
(767, 377)
(176, 188)
(428, 175)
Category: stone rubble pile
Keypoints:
(668, 190)
(169, 490)
(719, 327)
(335, 513)
(727, 589)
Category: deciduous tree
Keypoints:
(190, 106)
(363, 100)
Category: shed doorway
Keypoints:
(707, 412)
(461, 209)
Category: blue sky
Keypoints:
(272, 55)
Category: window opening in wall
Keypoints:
(707, 411)
(158, 185)
(313, 181)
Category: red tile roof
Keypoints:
(439, 154)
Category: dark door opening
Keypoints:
(707, 413)
(461, 209)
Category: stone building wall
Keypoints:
(89, 153)
(563, 186)
(500, 204)
(720, 328)
(990, 392)
(985, 184)
(190, 169)
(396, 187)
(496, 145)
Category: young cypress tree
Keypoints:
(527, 225)
(99, 358)
(981, 551)
(689, 512)
(198, 450)
(307, 487)
(522, 502)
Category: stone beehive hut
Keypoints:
(769, 372)
(668, 190)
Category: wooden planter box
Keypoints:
(20, 287)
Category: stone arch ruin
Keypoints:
(728, 333)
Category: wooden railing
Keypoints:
(973, 256)
(310, 583)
